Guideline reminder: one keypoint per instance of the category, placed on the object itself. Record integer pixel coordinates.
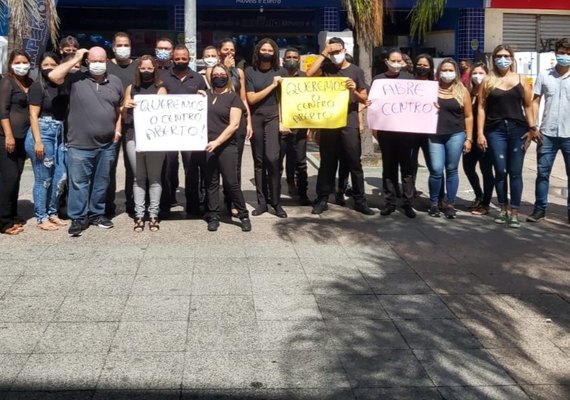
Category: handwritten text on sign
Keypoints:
(403, 105)
(314, 102)
(171, 122)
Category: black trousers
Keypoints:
(397, 151)
(485, 160)
(223, 161)
(343, 174)
(266, 147)
(11, 168)
(294, 148)
(337, 143)
(240, 135)
(194, 163)
(169, 180)
(110, 206)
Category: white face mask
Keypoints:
(477, 78)
(97, 68)
(394, 67)
(21, 69)
(338, 58)
(447, 76)
(123, 53)
(211, 61)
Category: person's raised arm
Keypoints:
(59, 73)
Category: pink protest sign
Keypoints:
(403, 105)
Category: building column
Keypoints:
(470, 33)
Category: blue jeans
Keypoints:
(546, 156)
(445, 153)
(89, 175)
(50, 173)
(507, 148)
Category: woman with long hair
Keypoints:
(480, 205)
(45, 143)
(506, 125)
(262, 81)
(14, 124)
(147, 165)
(454, 135)
(225, 110)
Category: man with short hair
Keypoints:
(554, 85)
(163, 53)
(68, 45)
(345, 141)
(94, 130)
(181, 79)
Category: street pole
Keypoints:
(190, 29)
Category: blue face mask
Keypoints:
(503, 63)
(563, 60)
(163, 55)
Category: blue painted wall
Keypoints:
(3, 20)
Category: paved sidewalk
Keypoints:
(338, 306)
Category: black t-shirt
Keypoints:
(126, 73)
(401, 75)
(357, 75)
(219, 107)
(129, 120)
(190, 84)
(52, 100)
(14, 106)
(256, 80)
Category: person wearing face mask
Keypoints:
(225, 109)
(554, 85)
(210, 58)
(146, 165)
(14, 123)
(45, 144)
(506, 124)
(94, 133)
(465, 69)
(163, 53)
(227, 54)
(396, 148)
(454, 135)
(482, 201)
(262, 82)
(294, 142)
(181, 79)
(343, 142)
(123, 67)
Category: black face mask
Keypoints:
(422, 71)
(291, 65)
(147, 76)
(45, 73)
(265, 57)
(180, 66)
(219, 82)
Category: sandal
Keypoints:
(58, 221)
(475, 204)
(139, 225)
(48, 226)
(153, 225)
(13, 230)
(481, 210)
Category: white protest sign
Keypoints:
(403, 105)
(171, 122)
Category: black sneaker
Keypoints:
(320, 207)
(434, 211)
(389, 209)
(102, 222)
(245, 225)
(536, 216)
(76, 228)
(450, 213)
(364, 209)
(409, 211)
(279, 211)
(304, 200)
(213, 224)
(259, 210)
(339, 199)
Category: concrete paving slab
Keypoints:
(57, 285)
(91, 308)
(268, 394)
(50, 395)
(162, 285)
(73, 337)
(293, 335)
(397, 283)
(129, 394)
(415, 306)
(221, 285)
(54, 267)
(442, 334)
(286, 307)
(409, 393)
(547, 392)
(230, 265)
(222, 308)
(362, 334)
(483, 392)
(10, 367)
(347, 282)
(20, 337)
(351, 307)
(29, 309)
(217, 335)
(276, 283)
(169, 266)
(6, 283)
(102, 285)
(150, 336)
(156, 308)
(463, 283)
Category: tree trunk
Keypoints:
(365, 62)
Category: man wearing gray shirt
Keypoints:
(554, 85)
(94, 130)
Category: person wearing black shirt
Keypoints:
(294, 142)
(181, 79)
(225, 110)
(262, 81)
(342, 142)
(396, 148)
(147, 165)
(45, 144)
(14, 123)
(123, 67)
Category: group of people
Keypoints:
(72, 115)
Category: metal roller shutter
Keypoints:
(552, 28)
(520, 31)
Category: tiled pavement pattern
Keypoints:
(338, 306)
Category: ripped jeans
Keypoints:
(50, 172)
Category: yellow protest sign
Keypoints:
(307, 60)
(320, 103)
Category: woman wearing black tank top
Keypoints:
(454, 136)
(147, 165)
(506, 129)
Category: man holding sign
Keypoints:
(344, 141)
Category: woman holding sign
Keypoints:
(225, 111)
(262, 81)
(454, 135)
(147, 165)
